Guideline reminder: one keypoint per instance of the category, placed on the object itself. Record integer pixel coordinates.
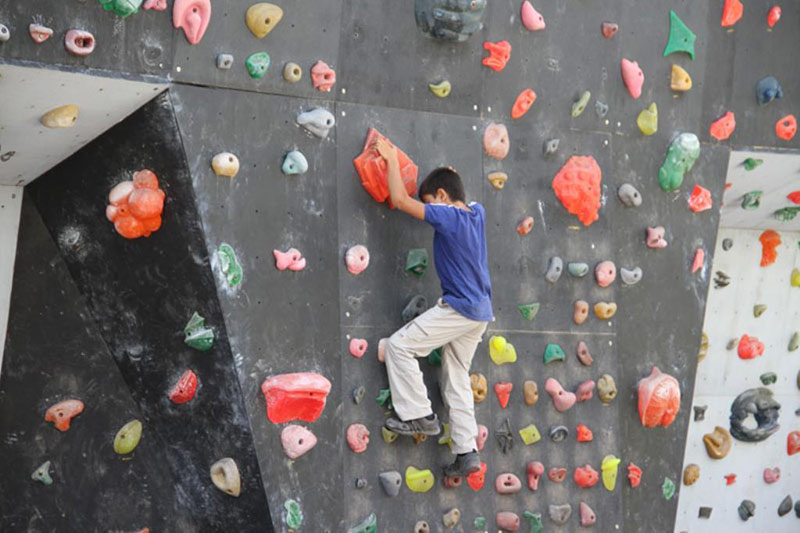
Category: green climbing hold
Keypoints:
(787, 213)
(435, 357)
(681, 155)
(42, 474)
(530, 434)
(445, 438)
(128, 437)
(229, 265)
(553, 352)
(479, 524)
(759, 309)
(751, 200)
(417, 261)
(751, 163)
(369, 525)
(668, 488)
(384, 398)
(681, 38)
(123, 8)
(292, 514)
(528, 311)
(197, 335)
(257, 64)
(768, 378)
(388, 435)
(536, 521)
(580, 105)
(648, 120)
(578, 269)
(794, 342)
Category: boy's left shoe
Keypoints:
(426, 426)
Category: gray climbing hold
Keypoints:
(558, 433)
(578, 269)
(554, 269)
(358, 394)
(704, 512)
(699, 412)
(600, 108)
(294, 163)
(4, 33)
(797, 508)
(504, 437)
(629, 195)
(721, 280)
(559, 513)
(415, 307)
(746, 510)
(42, 474)
(361, 483)
(759, 309)
(224, 61)
(759, 403)
(794, 342)
(732, 343)
(785, 506)
(727, 244)
(550, 146)
(318, 121)
(391, 481)
(630, 277)
(449, 21)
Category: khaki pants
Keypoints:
(440, 326)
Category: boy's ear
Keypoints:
(442, 194)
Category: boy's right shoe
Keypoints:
(426, 426)
(464, 465)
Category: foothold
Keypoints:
(323, 77)
(357, 259)
(294, 163)
(722, 128)
(5, 35)
(445, 20)
(578, 270)
(192, 16)
(40, 33)
(419, 480)
(225, 476)
(681, 156)
(630, 277)
(732, 11)
(526, 226)
(752, 200)
(128, 437)
(588, 517)
(42, 474)
(700, 200)
(786, 127)
(291, 259)
(793, 443)
(634, 475)
(699, 412)
(62, 413)
(655, 237)
(292, 515)
(507, 521)
(495, 141)
(771, 475)
(292, 72)
(633, 77)
(297, 440)
(504, 436)
(503, 391)
(64, 116)
(668, 489)
(600, 109)
(703, 352)
(157, 5)
(388, 435)
(797, 508)
(609, 29)
(528, 311)
(79, 42)
(563, 400)
(559, 514)
(721, 280)
(498, 179)
(578, 187)
(584, 434)
(417, 261)
(554, 269)
(262, 17)
(224, 61)
(767, 90)
(659, 399)
(421, 527)
(691, 474)
(750, 347)
(534, 471)
(759, 309)
(605, 310)
(580, 312)
(606, 389)
(297, 396)
(579, 105)
(609, 470)
(384, 398)
(483, 434)
(629, 195)
(184, 389)
(499, 54)
(773, 16)
(550, 146)
(648, 120)
(507, 483)
(531, 19)
(225, 164)
(374, 172)
(557, 474)
(605, 273)
(727, 244)
(318, 121)
(391, 482)
(794, 341)
(585, 476)
(770, 240)
(681, 38)
(450, 518)
(530, 434)
(531, 392)
(553, 352)
(441, 89)
(501, 351)
(718, 443)
(785, 505)
(582, 351)
(197, 335)
(585, 391)
(479, 387)
(759, 403)
(704, 512)
(523, 103)
(229, 265)
(746, 510)
(369, 525)
(257, 64)
(123, 8)
(679, 79)
(452, 482)
(477, 479)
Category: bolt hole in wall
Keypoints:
(748, 356)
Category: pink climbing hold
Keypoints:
(357, 259)
(659, 399)
(192, 16)
(532, 19)
(507, 521)
(357, 437)
(298, 396)
(585, 391)
(495, 141)
(578, 187)
(562, 400)
(605, 273)
(297, 440)
(655, 237)
(633, 77)
(499, 54)
(771, 475)
(291, 259)
(158, 5)
(507, 483)
(588, 518)
(749, 347)
(525, 227)
(322, 76)
(699, 260)
(773, 16)
(700, 200)
(39, 33)
(535, 471)
(358, 347)
(723, 127)
(483, 434)
(503, 391)
(609, 29)
(80, 43)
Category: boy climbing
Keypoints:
(456, 323)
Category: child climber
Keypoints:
(456, 323)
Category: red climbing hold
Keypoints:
(477, 479)
(499, 54)
(723, 127)
(535, 471)
(609, 29)
(634, 475)
(62, 413)
(794, 197)
(374, 173)
(299, 396)
(193, 17)
(699, 260)
(525, 227)
(503, 391)
(750, 347)
(633, 77)
(135, 206)
(584, 434)
(523, 103)
(557, 474)
(585, 476)
(769, 241)
(659, 399)
(577, 186)
(184, 388)
(773, 16)
(793, 442)
(730, 479)
(731, 13)
(700, 199)
(786, 127)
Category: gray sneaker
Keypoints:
(464, 465)
(411, 427)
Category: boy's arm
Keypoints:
(397, 192)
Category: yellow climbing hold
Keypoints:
(128, 437)
(261, 18)
(441, 89)
(419, 480)
(680, 79)
(501, 351)
(61, 117)
(530, 434)
(445, 438)
(648, 120)
(609, 469)
(795, 277)
(388, 435)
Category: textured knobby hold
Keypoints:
(750, 347)
(585, 476)
(197, 335)
(767, 90)
(700, 200)
(631, 277)
(292, 72)
(659, 399)
(507, 521)
(668, 488)
(357, 438)
(229, 264)
(770, 239)
(526, 226)
(553, 352)
(773, 16)
(449, 21)
(655, 237)
(40, 33)
(358, 347)
(441, 89)
(732, 11)
(606, 389)
(64, 116)
(450, 518)
(605, 310)
(786, 127)
(123, 8)
(79, 42)
(580, 104)
(578, 269)
(722, 128)
(356, 259)
(479, 387)
(42, 474)
(609, 29)
(691, 474)
(585, 391)
(224, 61)
(752, 200)
(580, 312)
(681, 156)
(633, 77)
(793, 443)
(292, 515)
(648, 120)
(609, 471)
(557, 474)
(578, 187)
(374, 172)
(583, 433)
(550, 146)
(679, 79)
(771, 475)
(417, 261)
(192, 16)
(225, 476)
(531, 19)
(717, 443)
(507, 483)
(629, 195)
(746, 510)
(369, 525)
(135, 206)
(681, 38)
(703, 352)
(495, 141)
(185, 388)
(504, 436)
(582, 352)
(534, 472)
(297, 396)
(502, 390)
(563, 400)
(5, 35)
(262, 17)
(62, 413)
(759, 403)
(499, 54)
(528, 311)
(257, 64)
(297, 440)
(128, 437)
(605, 273)
(291, 259)
(294, 163)
(523, 103)
(588, 517)
(530, 434)
(225, 164)
(634, 475)
(157, 5)
(554, 269)
(477, 479)
(497, 179)
(501, 351)
(318, 121)
(323, 77)
(419, 480)
(530, 392)
(559, 514)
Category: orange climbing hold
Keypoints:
(499, 54)
(723, 127)
(769, 241)
(793, 442)
(700, 199)
(135, 206)
(659, 399)
(62, 413)
(786, 127)
(523, 103)
(794, 197)
(584, 434)
(750, 347)
(577, 186)
(477, 479)
(374, 173)
(731, 13)
(503, 391)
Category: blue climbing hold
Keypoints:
(295, 163)
(768, 90)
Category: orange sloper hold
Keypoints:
(769, 241)
(723, 127)
(731, 13)
(374, 173)
(523, 103)
(135, 206)
(577, 186)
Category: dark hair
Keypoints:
(443, 178)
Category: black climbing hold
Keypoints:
(558, 433)
(762, 406)
(415, 307)
(505, 439)
(746, 510)
(361, 483)
(727, 244)
(704, 512)
(785, 506)
(449, 21)
(699, 412)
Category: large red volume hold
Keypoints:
(659, 399)
(184, 389)
(299, 396)
(577, 186)
(750, 347)
(135, 206)
(374, 173)
(769, 241)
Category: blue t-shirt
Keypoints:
(459, 251)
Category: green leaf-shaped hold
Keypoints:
(751, 163)
(681, 38)
(535, 521)
(292, 514)
(384, 398)
(257, 64)
(42, 474)
(417, 261)
(128, 437)
(668, 488)
(198, 336)
(123, 8)
(553, 352)
(369, 525)
(681, 155)
(787, 213)
(528, 311)
(751, 200)
(435, 357)
(229, 265)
